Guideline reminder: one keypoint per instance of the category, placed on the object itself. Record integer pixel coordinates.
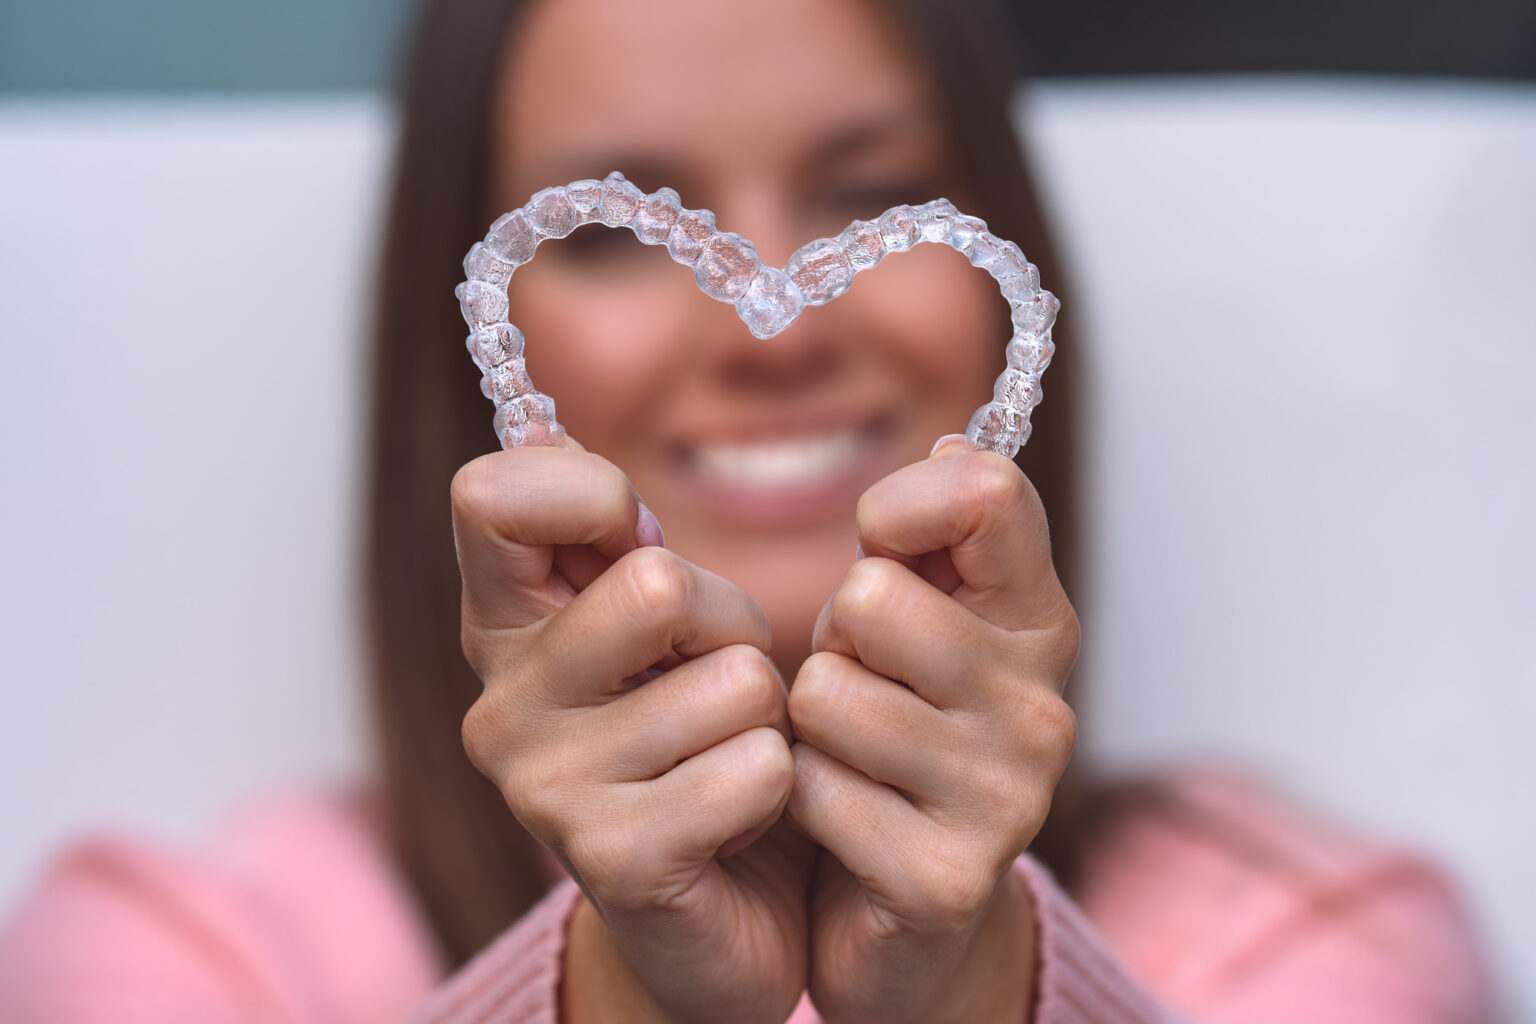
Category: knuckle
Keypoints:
(998, 486)
(1062, 727)
(953, 894)
(1064, 641)
(1037, 807)
(483, 735)
(1057, 720)
(553, 801)
(741, 662)
(490, 730)
(529, 761)
(655, 580)
(472, 488)
(608, 490)
(536, 797)
(532, 776)
(869, 511)
(810, 694)
(995, 789)
(768, 766)
(866, 591)
(754, 680)
(1052, 731)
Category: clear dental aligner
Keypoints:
(767, 299)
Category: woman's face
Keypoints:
(788, 120)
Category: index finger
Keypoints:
(981, 508)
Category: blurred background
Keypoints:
(1302, 246)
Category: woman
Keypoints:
(823, 791)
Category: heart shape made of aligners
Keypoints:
(767, 299)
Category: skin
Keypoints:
(771, 768)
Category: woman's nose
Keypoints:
(761, 212)
(806, 353)
(799, 357)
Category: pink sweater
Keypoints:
(295, 913)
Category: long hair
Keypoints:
(472, 866)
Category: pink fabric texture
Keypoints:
(1243, 914)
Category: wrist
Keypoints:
(597, 983)
(996, 978)
(985, 973)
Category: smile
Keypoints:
(777, 480)
(788, 463)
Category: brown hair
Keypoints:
(472, 866)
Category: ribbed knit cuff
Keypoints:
(1078, 979)
(515, 978)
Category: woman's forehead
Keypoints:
(706, 82)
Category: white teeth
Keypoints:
(802, 461)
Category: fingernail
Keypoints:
(946, 439)
(858, 551)
(648, 531)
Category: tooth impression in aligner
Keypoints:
(768, 299)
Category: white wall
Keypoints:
(1313, 474)
(1311, 460)
(180, 291)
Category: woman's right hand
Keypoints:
(636, 727)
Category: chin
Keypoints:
(794, 597)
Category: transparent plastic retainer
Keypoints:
(767, 299)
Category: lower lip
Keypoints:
(789, 505)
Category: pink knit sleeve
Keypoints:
(294, 915)
(1387, 944)
(1078, 979)
(117, 932)
(294, 920)
(299, 917)
(515, 978)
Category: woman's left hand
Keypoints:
(931, 735)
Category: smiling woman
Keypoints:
(729, 773)
(611, 320)
(709, 423)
